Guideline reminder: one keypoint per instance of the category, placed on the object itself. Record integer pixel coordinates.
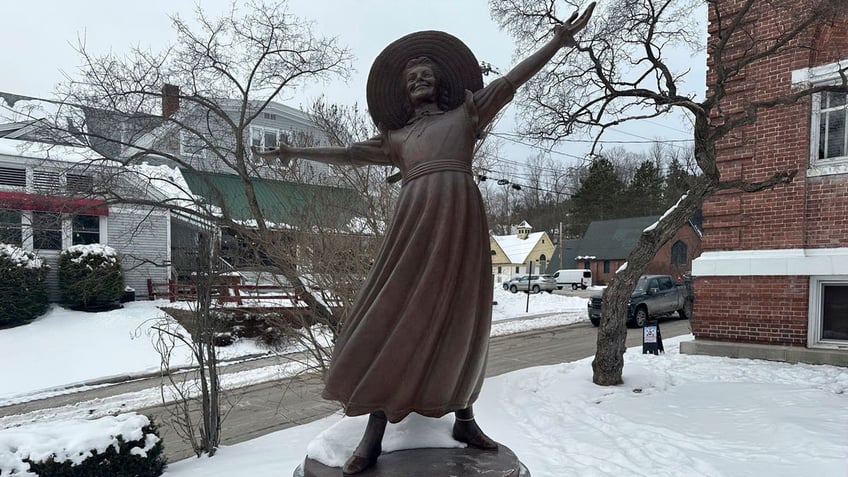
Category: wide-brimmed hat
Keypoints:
(386, 92)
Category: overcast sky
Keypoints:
(38, 37)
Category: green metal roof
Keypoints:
(281, 202)
(611, 239)
(566, 249)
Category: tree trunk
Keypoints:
(609, 359)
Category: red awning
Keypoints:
(52, 203)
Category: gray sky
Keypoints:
(38, 36)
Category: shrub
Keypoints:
(23, 288)
(127, 445)
(90, 277)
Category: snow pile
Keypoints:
(81, 253)
(510, 305)
(72, 440)
(20, 257)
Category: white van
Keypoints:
(576, 278)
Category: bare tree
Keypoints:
(624, 70)
(191, 106)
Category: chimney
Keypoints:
(170, 99)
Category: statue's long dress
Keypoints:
(416, 337)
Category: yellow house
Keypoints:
(513, 254)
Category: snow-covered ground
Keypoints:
(64, 347)
(675, 415)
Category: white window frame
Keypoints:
(821, 76)
(815, 321)
(261, 131)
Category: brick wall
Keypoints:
(811, 212)
(661, 264)
(827, 212)
(804, 213)
(763, 310)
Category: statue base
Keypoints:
(430, 462)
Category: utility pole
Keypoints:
(561, 250)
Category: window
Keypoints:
(832, 133)
(11, 176)
(587, 265)
(828, 125)
(542, 262)
(606, 266)
(46, 231)
(516, 269)
(85, 229)
(653, 284)
(10, 227)
(828, 324)
(266, 138)
(499, 270)
(679, 251)
(191, 145)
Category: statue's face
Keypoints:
(421, 84)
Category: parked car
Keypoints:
(655, 296)
(575, 278)
(531, 283)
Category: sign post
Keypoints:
(527, 305)
(652, 338)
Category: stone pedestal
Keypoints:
(435, 462)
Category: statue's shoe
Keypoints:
(470, 433)
(359, 463)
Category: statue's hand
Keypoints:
(282, 155)
(573, 25)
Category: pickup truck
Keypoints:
(655, 296)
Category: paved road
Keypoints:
(262, 408)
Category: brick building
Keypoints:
(772, 281)
(607, 243)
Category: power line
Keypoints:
(508, 137)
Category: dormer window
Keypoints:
(267, 138)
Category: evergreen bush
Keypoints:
(143, 457)
(90, 277)
(23, 287)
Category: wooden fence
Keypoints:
(225, 290)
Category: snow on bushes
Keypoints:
(126, 445)
(90, 277)
(23, 289)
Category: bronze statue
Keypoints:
(416, 338)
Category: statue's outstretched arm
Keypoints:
(369, 152)
(284, 154)
(563, 36)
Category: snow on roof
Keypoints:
(169, 182)
(25, 121)
(517, 249)
(42, 150)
